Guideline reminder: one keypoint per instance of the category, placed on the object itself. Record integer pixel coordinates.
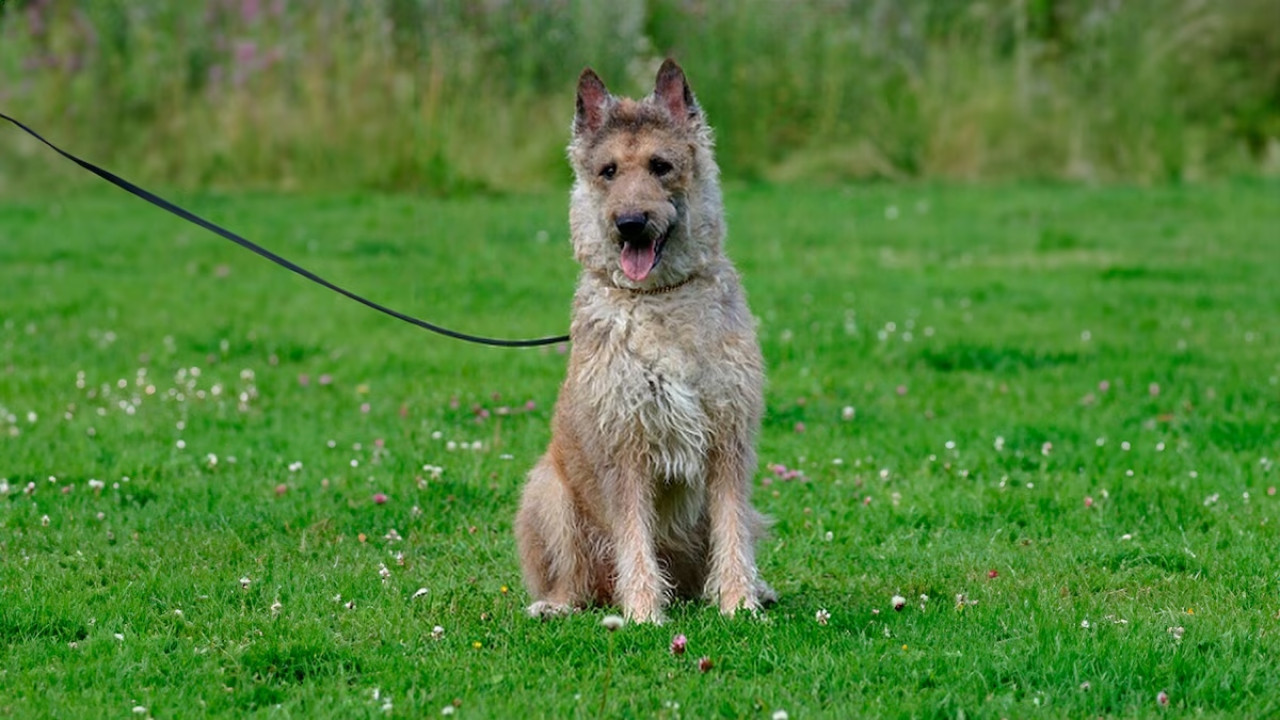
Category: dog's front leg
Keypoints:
(641, 588)
(733, 580)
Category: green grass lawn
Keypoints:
(1053, 411)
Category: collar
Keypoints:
(663, 290)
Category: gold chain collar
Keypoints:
(663, 290)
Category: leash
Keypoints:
(212, 227)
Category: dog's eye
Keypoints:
(659, 167)
(608, 171)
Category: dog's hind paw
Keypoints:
(766, 595)
(545, 610)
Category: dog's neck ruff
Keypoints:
(663, 290)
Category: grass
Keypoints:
(1064, 429)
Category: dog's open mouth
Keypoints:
(641, 255)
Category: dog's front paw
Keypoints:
(749, 602)
(545, 610)
(657, 617)
(644, 607)
(752, 597)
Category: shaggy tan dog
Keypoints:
(644, 492)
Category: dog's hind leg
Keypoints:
(553, 546)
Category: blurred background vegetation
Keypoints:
(450, 96)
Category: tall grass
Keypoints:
(451, 95)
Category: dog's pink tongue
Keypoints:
(637, 262)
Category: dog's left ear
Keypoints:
(673, 93)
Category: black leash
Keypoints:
(282, 262)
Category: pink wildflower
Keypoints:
(678, 644)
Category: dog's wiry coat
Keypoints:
(644, 492)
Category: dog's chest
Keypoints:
(656, 384)
(670, 413)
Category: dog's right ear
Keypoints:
(593, 100)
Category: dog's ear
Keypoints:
(593, 100)
(673, 93)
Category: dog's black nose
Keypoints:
(631, 225)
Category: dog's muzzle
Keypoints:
(641, 247)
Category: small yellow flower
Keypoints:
(503, 589)
(904, 647)
(1191, 611)
(477, 644)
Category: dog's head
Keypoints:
(646, 210)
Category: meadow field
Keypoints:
(1046, 417)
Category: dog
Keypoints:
(644, 492)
